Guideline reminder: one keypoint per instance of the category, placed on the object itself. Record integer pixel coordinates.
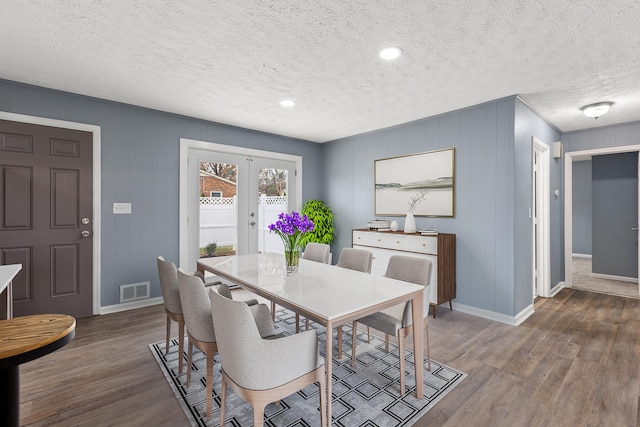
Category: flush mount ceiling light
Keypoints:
(596, 110)
(390, 53)
(287, 103)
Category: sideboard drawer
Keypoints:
(397, 242)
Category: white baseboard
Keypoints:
(492, 315)
(582, 255)
(618, 278)
(557, 288)
(116, 308)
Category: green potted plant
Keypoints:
(322, 217)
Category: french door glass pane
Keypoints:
(272, 200)
(218, 209)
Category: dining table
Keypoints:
(327, 294)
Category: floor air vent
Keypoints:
(134, 291)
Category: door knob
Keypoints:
(252, 223)
(85, 233)
(634, 228)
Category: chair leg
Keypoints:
(209, 379)
(306, 324)
(223, 399)
(339, 342)
(180, 346)
(189, 353)
(386, 343)
(166, 348)
(297, 323)
(354, 332)
(258, 415)
(368, 334)
(401, 355)
(273, 311)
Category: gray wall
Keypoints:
(492, 194)
(582, 201)
(615, 213)
(140, 162)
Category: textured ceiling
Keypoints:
(233, 61)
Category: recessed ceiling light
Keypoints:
(596, 110)
(390, 53)
(287, 103)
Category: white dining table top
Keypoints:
(328, 292)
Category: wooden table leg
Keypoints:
(417, 308)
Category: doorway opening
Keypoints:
(578, 266)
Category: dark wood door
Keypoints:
(46, 217)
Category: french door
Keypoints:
(232, 197)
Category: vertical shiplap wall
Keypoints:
(582, 200)
(527, 125)
(140, 165)
(483, 137)
(604, 137)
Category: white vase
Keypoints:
(394, 226)
(410, 223)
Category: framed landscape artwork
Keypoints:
(420, 183)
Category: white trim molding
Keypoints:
(492, 315)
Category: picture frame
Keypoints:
(422, 183)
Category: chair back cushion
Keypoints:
(196, 307)
(318, 252)
(168, 274)
(356, 259)
(413, 270)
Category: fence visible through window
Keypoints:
(219, 222)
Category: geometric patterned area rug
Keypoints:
(367, 395)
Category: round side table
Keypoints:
(23, 339)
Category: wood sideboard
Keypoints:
(440, 249)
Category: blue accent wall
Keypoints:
(492, 194)
(140, 165)
(582, 201)
(140, 160)
(615, 214)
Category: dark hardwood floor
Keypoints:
(575, 362)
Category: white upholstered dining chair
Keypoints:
(397, 320)
(260, 370)
(353, 259)
(197, 316)
(168, 275)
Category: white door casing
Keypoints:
(540, 218)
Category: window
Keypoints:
(216, 194)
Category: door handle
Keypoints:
(634, 228)
(252, 223)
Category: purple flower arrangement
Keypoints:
(290, 228)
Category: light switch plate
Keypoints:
(121, 208)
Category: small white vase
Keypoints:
(410, 223)
(394, 225)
